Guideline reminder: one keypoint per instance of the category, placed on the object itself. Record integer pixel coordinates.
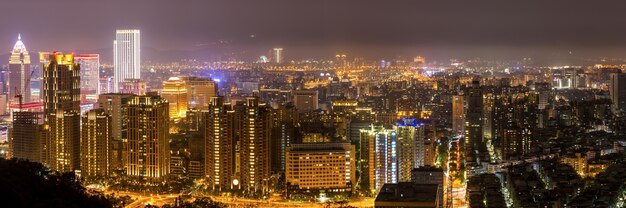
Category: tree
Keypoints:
(30, 184)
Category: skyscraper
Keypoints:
(147, 137)
(410, 136)
(96, 140)
(255, 157)
(277, 55)
(458, 114)
(175, 92)
(617, 89)
(219, 154)
(89, 75)
(474, 146)
(61, 98)
(378, 155)
(19, 72)
(126, 56)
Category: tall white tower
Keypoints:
(277, 54)
(19, 71)
(126, 56)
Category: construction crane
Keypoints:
(18, 94)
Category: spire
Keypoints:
(19, 45)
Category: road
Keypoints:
(158, 200)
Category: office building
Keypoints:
(19, 72)
(320, 167)
(148, 137)
(96, 143)
(200, 91)
(175, 92)
(89, 75)
(305, 100)
(126, 56)
(220, 146)
(61, 98)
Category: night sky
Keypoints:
(320, 28)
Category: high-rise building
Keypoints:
(617, 89)
(282, 136)
(220, 146)
(24, 136)
(255, 146)
(379, 161)
(116, 105)
(474, 146)
(305, 100)
(133, 86)
(458, 114)
(410, 137)
(200, 91)
(61, 98)
(19, 72)
(324, 167)
(175, 92)
(147, 137)
(126, 56)
(89, 75)
(277, 55)
(96, 138)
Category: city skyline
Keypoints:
(307, 104)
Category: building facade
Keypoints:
(147, 137)
(126, 56)
(61, 98)
(96, 143)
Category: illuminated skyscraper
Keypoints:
(147, 137)
(89, 75)
(61, 98)
(219, 154)
(277, 55)
(379, 161)
(617, 89)
(305, 100)
(255, 143)
(200, 91)
(133, 86)
(126, 56)
(19, 72)
(96, 143)
(175, 92)
(410, 136)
